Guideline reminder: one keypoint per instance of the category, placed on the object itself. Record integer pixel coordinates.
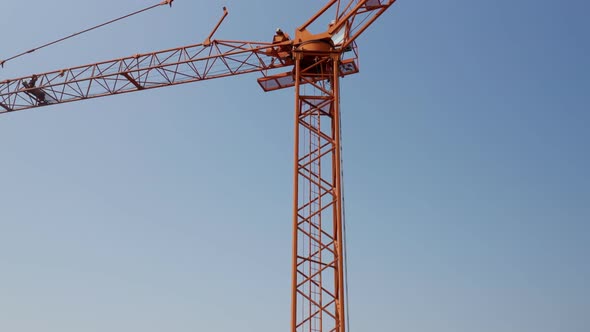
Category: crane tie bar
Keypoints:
(165, 2)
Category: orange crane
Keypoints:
(315, 61)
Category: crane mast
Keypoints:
(318, 278)
(318, 248)
(316, 62)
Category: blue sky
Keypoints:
(466, 174)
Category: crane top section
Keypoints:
(339, 22)
(347, 19)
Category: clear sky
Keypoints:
(466, 157)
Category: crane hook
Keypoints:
(167, 2)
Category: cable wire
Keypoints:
(346, 292)
(165, 2)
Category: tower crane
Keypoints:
(314, 60)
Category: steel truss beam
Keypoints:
(221, 58)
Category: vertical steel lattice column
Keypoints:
(318, 278)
